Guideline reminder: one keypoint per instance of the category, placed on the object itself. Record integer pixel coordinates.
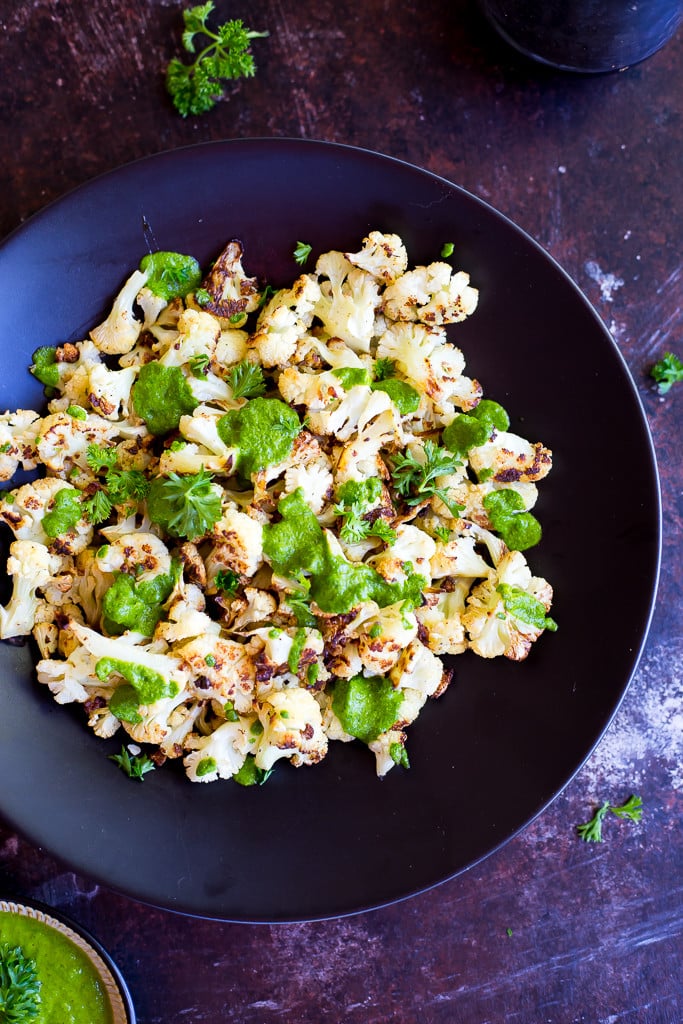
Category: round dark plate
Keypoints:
(502, 742)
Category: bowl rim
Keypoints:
(121, 1003)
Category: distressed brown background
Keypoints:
(591, 167)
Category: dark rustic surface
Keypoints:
(548, 929)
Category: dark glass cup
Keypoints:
(585, 35)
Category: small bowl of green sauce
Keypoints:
(52, 971)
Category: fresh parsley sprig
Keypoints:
(135, 766)
(591, 831)
(194, 88)
(19, 986)
(186, 506)
(415, 480)
(246, 380)
(667, 372)
(385, 368)
(199, 365)
(227, 582)
(302, 252)
(118, 486)
(357, 527)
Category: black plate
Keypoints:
(506, 737)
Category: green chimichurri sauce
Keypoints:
(71, 991)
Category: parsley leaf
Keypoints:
(632, 809)
(19, 986)
(186, 506)
(667, 372)
(591, 831)
(227, 581)
(415, 480)
(135, 767)
(195, 87)
(99, 457)
(118, 487)
(246, 380)
(199, 365)
(385, 368)
(97, 507)
(356, 527)
(302, 252)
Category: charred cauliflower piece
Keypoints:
(231, 294)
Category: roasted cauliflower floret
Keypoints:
(219, 669)
(23, 510)
(441, 619)
(292, 728)
(419, 669)
(109, 391)
(509, 458)
(384, 637)
(141, 555)
(18, 432)
(156, 720)
(231, 294)
(238, 544)
(121, 329)
(220, 755)
(197, 335)
(431, 294)
(73, 679)
(427, 359)
(63, 440)
(316, 482)
(348, 302)
(506, 613)
(383, 256)
(31, 565)
(284, 321)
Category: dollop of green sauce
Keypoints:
(296, 650)
(365, 492)
(366, 706)
(161, 395)
(405, 398)
(129, 604)
(65, 513)
(149, 685)
(525, 607)
(71, 991)
(45, 367)
(263, 430)
(206, 766)
(470, 430)
(297, 544)
(171, 274)
(518, 529)
(352, 376)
